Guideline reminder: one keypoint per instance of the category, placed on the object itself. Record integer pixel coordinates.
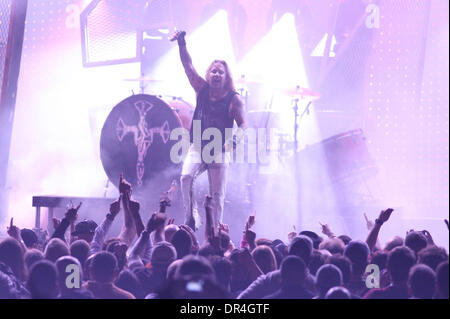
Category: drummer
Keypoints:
(218, 106)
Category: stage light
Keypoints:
(277, 62)
(319, 50)
(209, 42)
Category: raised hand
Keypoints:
(156, 220)
(178, 35)
(292, 234)
(385, 214)
(56, 222)
(164, 198)
(224, 227)
(124, 186)
(326, 230)
(171, 221)
(72, 213)
(250, 237)
(369, 223)
(250, 221)
(13, 230)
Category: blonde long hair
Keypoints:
(229, 84)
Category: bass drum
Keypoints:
(346, 156)
(135, 139)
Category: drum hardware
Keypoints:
(300, 93)
(297, 94)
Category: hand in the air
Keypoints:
(13, 230)
(178, 34)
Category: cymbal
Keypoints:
(142, 79)
(302, 93)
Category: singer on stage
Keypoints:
(218, 106)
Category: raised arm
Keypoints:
(373, 234)
(128, 231)
(69, 218)
(102, 230)
(197, 82)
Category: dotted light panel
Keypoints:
(5, 12)
(110, 31)
(407, 104)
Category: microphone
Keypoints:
(181, 35)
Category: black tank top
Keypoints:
(213, 113)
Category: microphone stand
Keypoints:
(306, 110)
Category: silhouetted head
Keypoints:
(85, 230)
(302, 247)
(31, 256)
(195, 265)
(416, 240)
(316, 260)
(80, 249)
(338, 293)
(442, 279)
(128, 281)
(163, 254)
(358, 253)
(316, 239)
(173, 268)
(432, 256)
(182, 243)
(328, 276)
(56, 248)
(265, 258)
(11, 254)
(29, 238)
(75, 271)
(333, 245)
(345, 266)
(422, 281)
(117, 247)
(169, 230)
(380, 259)
(393, 242)
(400, 261)
(103, 267)
(43, 280)
(293, 271)
(222, 269)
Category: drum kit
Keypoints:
(135, 136)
